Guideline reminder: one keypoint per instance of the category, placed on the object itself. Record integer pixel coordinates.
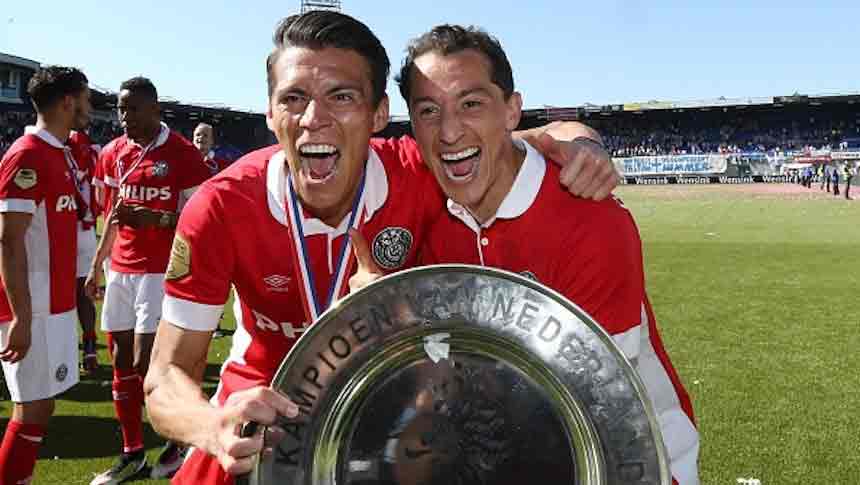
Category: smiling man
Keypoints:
(274, 226)
(506, 210)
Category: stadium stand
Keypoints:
(238, 131)
(760, 131)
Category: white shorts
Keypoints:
(86, 250)
(132, 302)
(51, 365)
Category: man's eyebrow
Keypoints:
(423, 99)
(344, 87)
(477, 90)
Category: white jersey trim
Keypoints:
(45, 135)
(679, 434)
(111, 182)
(191, 315)
(522, 195)
(375, 189)
(18, 205)
(629, 342)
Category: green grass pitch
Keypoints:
(756, 295)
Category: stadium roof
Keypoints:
(556, 112)
(18, 61)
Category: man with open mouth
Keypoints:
(275, 226)
(505, 211)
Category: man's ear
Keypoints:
(269, 121)
(380, 115)
(515, 111)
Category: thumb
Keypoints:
(362, 252)
(548, 146)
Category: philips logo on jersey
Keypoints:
(66, 203)
(287, 328)
(136, 192)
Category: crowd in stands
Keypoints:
(638, 137)
(625, 137)
(12, 125)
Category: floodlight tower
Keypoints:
(308, 5)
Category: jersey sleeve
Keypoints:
(200, 271)
(604, 275)
(105, 171)
(404, 148)
(22, 182)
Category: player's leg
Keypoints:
(86, 308)
(22, 439)
(148, 314)
(87, 317)
(118, 319)
(49, 368)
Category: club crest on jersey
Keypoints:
(160, 169)
(25, 178)
(180, 259)
(62, 373)
(391, 246)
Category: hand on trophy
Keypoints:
(368, 271)
(262, 405)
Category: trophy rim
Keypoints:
(593, 455)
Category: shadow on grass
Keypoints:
(96, 387)
(87, 437)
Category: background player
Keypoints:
(84, 155)
(38, 249)
(152, 171)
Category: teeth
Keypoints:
(318, 149)
(461, 155)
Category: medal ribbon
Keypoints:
(72, 166)
(124, 174)
(314, 307)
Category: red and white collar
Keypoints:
(375, 194)
(522, 195)
(45, 135)
(161, 139)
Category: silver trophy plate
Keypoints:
(461, 375)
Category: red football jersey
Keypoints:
(35, 178)
(236, 231)
(157, 178)
(215, 164)
(592, 254)
(85, 155)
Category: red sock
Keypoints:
(128, 403)
(109, 340)
(18, 452)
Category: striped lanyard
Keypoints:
(125, 173)
(313, 306)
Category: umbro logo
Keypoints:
(277, 282)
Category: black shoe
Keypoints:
(126, 466)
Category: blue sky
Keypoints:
(564, 53)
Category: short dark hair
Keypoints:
(51, 84)
(450, 39)
(140, 86)
(319, 29)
